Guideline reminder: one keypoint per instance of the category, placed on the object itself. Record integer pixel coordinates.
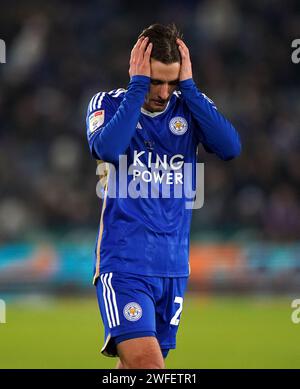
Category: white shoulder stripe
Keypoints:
(118, 92)
(99, 95)
(99, 103)
(97, 99)
(92, 102)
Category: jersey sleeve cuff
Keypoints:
(140, 79)
(186, 83)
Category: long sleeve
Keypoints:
(111, 140)
(212, 129)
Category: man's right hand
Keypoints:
(140, 58)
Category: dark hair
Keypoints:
(163, 38)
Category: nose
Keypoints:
(164, 91)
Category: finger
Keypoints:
(148, 51)
(137, 44)
(185, 55)
(139, 41)
(180, 41)
(141, 49)
(183, 45)
(134, 56)
(182, 52)
(143, 45)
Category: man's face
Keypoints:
(164, 80)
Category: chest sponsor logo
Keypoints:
(155, 176)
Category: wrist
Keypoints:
(140, 78)
(187, 82)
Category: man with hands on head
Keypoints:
(142, 250)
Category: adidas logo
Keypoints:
(139, 126)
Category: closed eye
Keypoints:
(174, 82)
(156, 82)
(160, 82)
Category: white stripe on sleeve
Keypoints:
(98, 105)
(92, 103)
(118, 92)
(95, 100)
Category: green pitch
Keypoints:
(215, 332)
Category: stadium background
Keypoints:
(245, 240)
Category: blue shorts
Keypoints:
(134, 306)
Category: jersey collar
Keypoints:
(154, 114)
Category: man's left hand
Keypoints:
(186, 65)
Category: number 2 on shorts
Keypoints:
(175, 320)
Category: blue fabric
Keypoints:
(165, 352)
(146, 235)
(131, 304)
(121, 121)
(213, 130)
(133, 335)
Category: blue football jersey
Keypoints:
(145, 222)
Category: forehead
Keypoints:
(163, 72)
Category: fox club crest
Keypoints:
(178, 125)
(132, 311)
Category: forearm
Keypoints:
(217, 132)
(113, 139)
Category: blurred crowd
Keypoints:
(60, 53)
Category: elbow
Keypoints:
(103, 152)
(232, 151)
(108, 155)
